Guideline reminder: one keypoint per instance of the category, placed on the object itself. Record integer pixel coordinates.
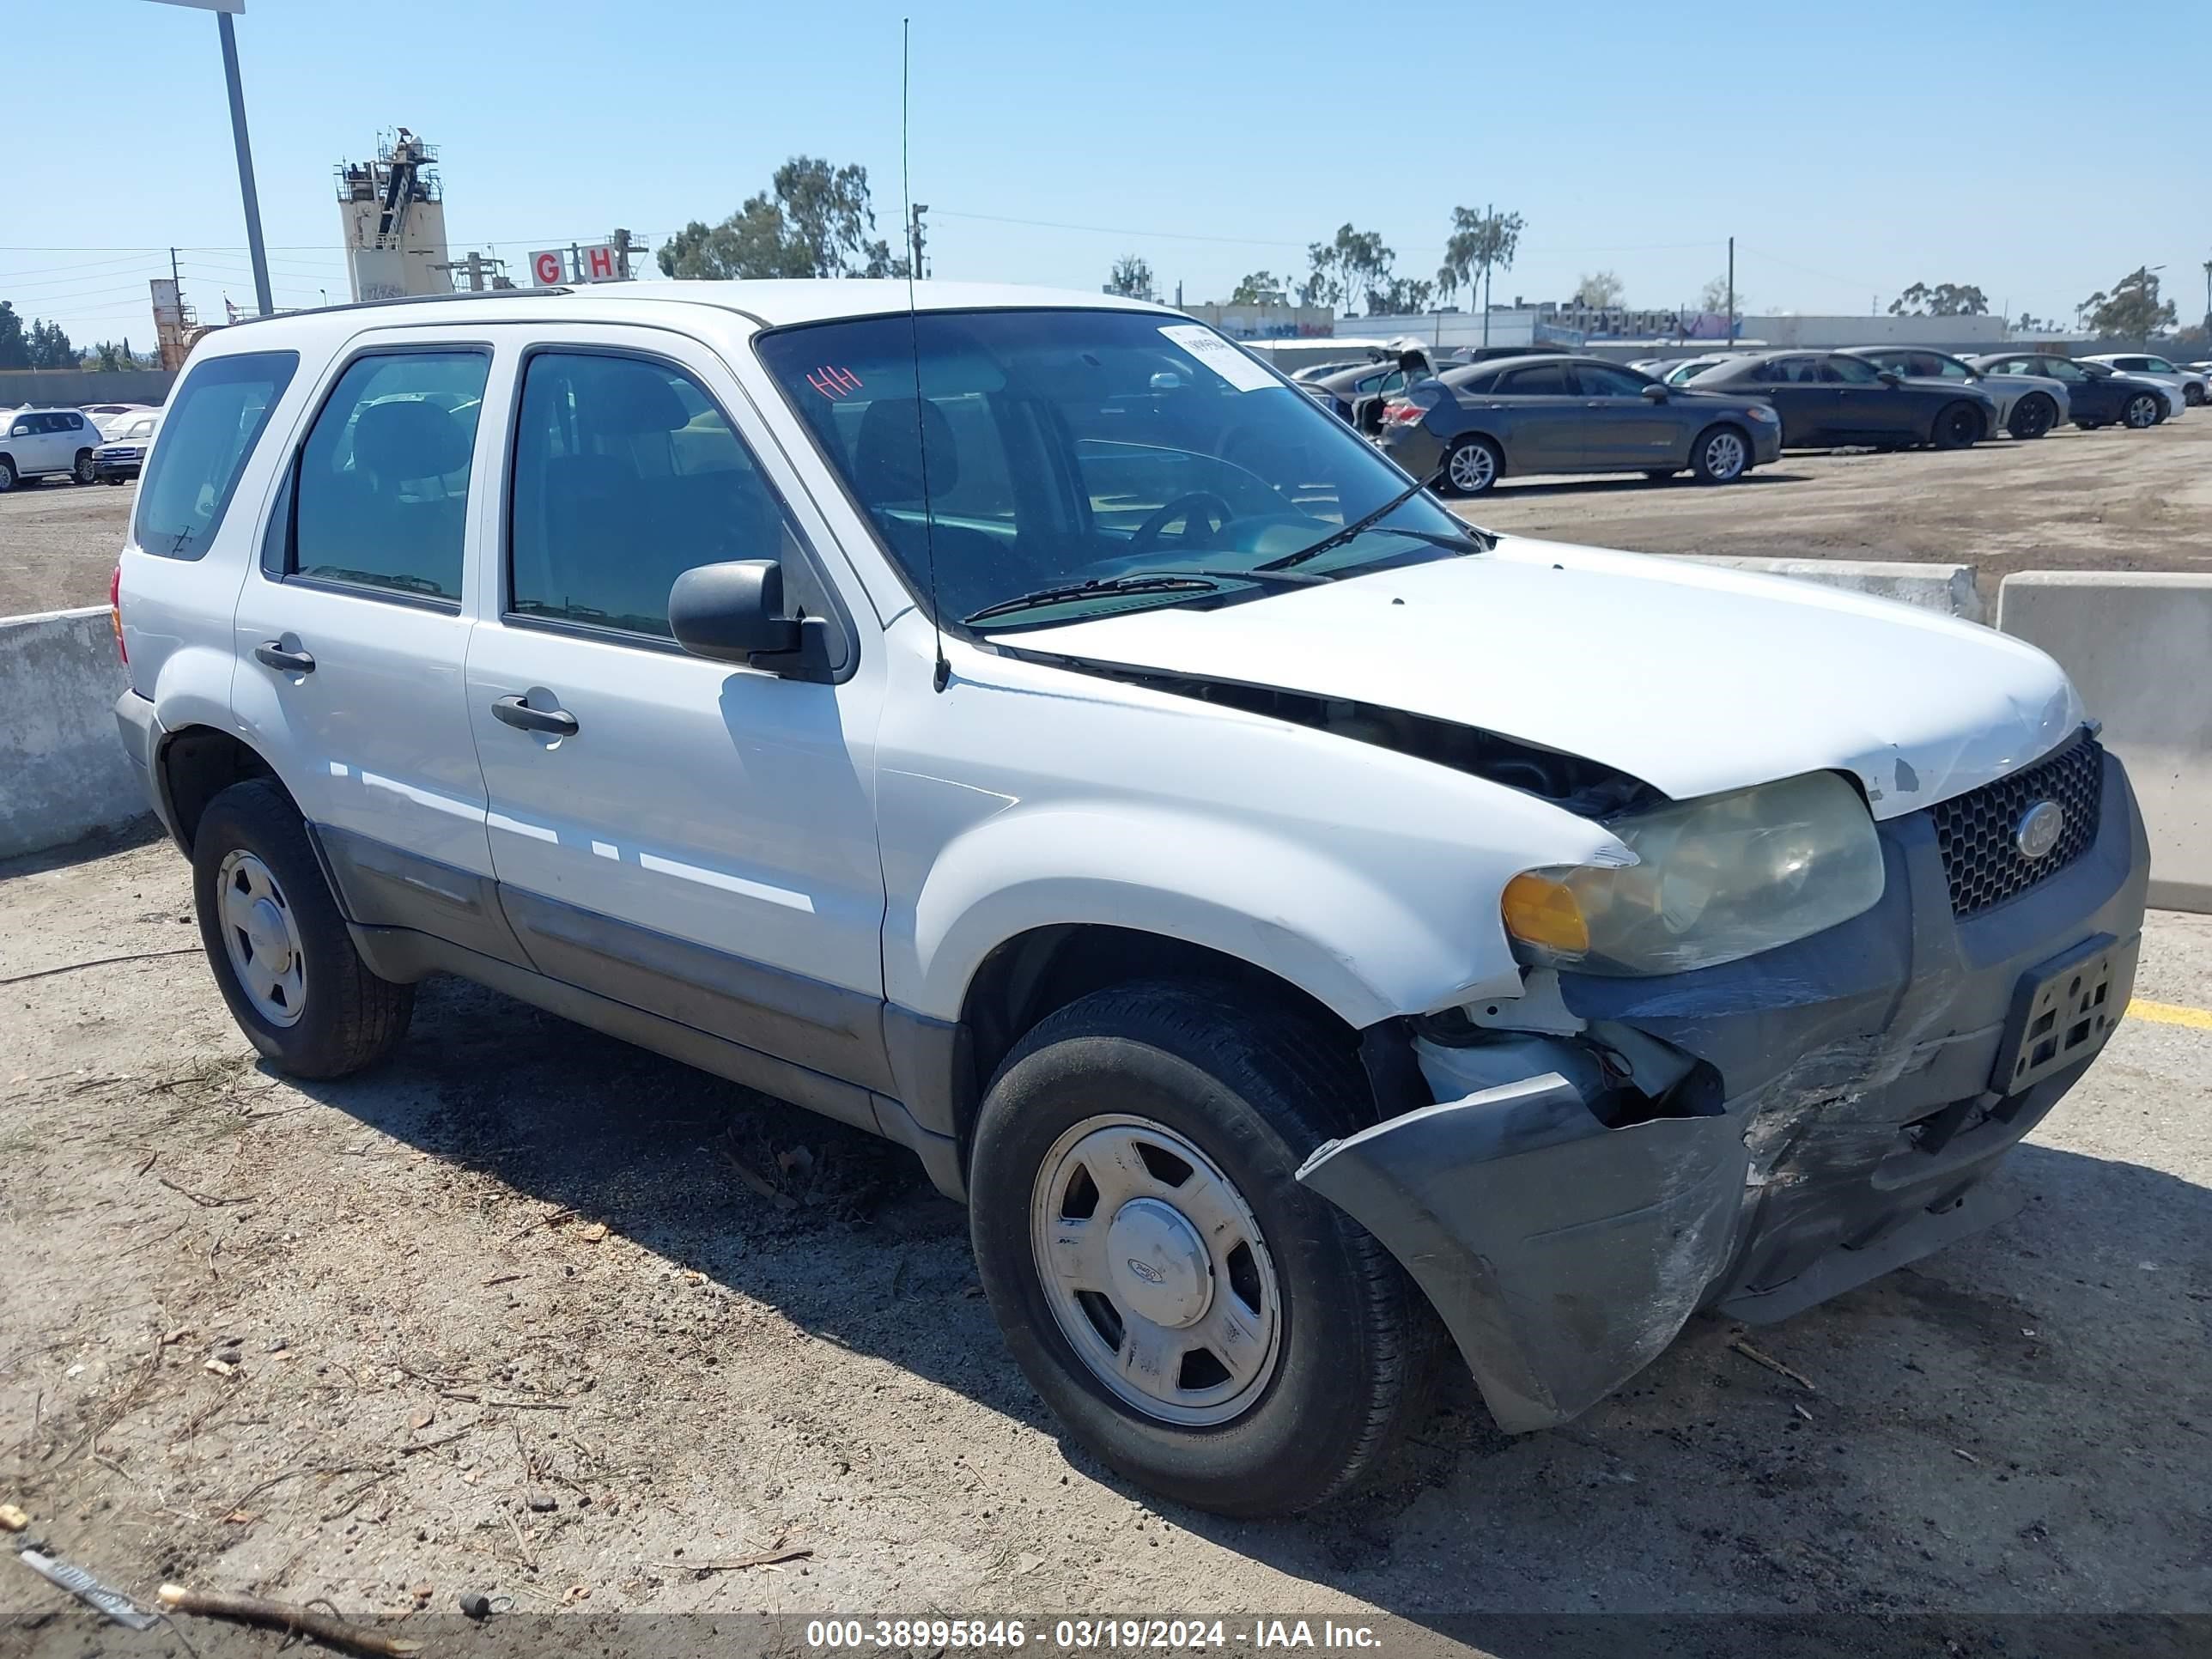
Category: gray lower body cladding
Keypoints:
(1852, 1128)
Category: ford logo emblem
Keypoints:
(1146, 1271)
(2038, 829)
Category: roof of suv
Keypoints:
(769, 304)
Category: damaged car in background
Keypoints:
(1308, 932)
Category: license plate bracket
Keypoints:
(2063, 1010)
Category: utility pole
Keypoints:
(244, 164)
(916, 241)
(2207, 293)
(1489, 212)
(1731, 320)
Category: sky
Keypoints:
(1850, 150)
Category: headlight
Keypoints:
(1715, 879)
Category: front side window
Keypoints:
(1602, 380)
(2160, 366)
(214, 419)
(1850, 371)
(1950, 369)
(380, 498)
(1098, 445)
(627, 475)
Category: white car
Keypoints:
(104, 416)
(129, 437)
(46, 443)
(2028, 405)
(1030, 729)
(2189, 383)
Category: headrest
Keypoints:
(409, 439)
(887, 461)
(625, 399)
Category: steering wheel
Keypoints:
(1217, 514)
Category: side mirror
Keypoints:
(733, 613)
(1656, 394)
(1891, 377)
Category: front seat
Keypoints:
(905, 461)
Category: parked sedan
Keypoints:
(2096, 396)
(2028, 407)
(1566, 414)
(1830, 399)
(1688, 368)
(2189, 383)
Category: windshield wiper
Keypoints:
(1195, 582)
(1365, 522)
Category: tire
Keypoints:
(82, 472)
(1347, 1343)
(1721, 455)
(2193, 396)
(1958, 426)
(2032, 417)
(2143, 410)
(342, 1017)
(1472, 465)
(7, 475)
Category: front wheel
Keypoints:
(1958, 426)
(1472, 465)
(2032, 417)
(1199, 1320)
(7, 475)
(82, 472)
(1720, 455)
(280, 950)
(2193, 395)
(2143, 410)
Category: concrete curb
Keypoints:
(63, 772)
(1948, 588)
(2138, 644)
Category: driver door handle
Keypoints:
(516, 713)
(271, 654)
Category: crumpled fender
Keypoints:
(1562, 1254)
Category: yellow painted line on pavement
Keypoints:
(2171, 1013)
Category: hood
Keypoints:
(1695, 679)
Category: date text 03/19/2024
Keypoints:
(1089, 1635)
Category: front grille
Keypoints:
(1976, 830)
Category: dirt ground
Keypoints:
(530, 1311)
(2113, 500)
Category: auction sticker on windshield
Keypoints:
(1223, 358)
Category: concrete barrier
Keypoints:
(62, 774)
(1948, 588)
(2139, 646)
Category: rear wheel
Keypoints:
(1958, 426)
(280, 950)
(1472, 465)
(1720, 455)
(2193, 395)
(2143, 410)
(1198, 1319)
(2032, 417)
(82, 472)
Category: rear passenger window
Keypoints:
(380, 498)
(626, 476)
(214, 421)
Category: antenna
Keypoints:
(943, 673)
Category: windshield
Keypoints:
(1060, 447)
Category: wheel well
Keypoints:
(198, 764)
(1037, 973)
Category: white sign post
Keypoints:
(224, 9)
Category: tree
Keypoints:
(50, 348)
(1131, 276)
(813, 220)
(1352, 267)
(1601, 291)
(1399, 296)
(1944, 299)
(1259, 288)
(1479, 244)
(15, 352)
(2132, 311)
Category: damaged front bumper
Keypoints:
(1846, 1122)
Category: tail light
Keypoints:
(115, 613)
(1395, 413)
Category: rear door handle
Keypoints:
(515, 712)
(272, 654)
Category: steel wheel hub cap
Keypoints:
(1156, 1271)
(261, 936)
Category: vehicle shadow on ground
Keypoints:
(2021, 1422)
(1629, 484)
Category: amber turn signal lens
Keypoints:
(1541, 911)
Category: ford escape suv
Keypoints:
(1302, 927)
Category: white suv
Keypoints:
(1028, 729)
(2190, 383)
(46, 443)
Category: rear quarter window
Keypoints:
(214, 421)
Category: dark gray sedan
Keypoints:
(1828, 399)
(1566, 414)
